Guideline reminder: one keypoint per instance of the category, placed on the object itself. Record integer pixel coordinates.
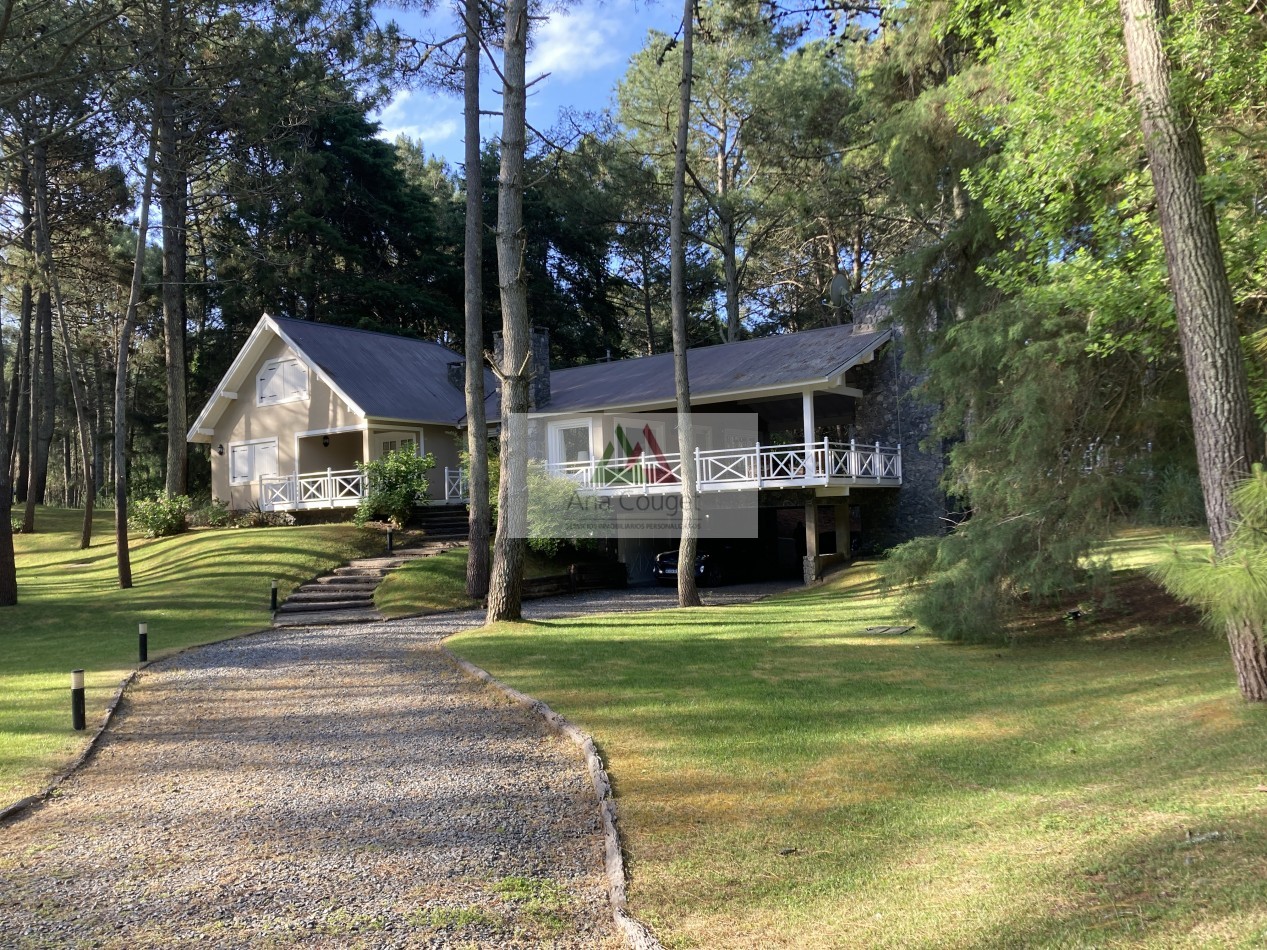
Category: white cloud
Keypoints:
(575, 43)
(431, 119)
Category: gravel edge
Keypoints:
(638, 936)
(36, 798)
(43, 794)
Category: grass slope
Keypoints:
(430, 585)
(193, 588)
(787, 780)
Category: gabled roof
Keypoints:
(376, 374)
(770, 365)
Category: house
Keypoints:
(829, 453)
(830, 456)
(304, 402)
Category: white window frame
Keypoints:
(555, 433)
(279, 364)
(379, 436)
(255, 474)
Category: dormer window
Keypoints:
(281, 380)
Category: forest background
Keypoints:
(982, 165)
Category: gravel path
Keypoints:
(330, 787)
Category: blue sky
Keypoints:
(585, 48)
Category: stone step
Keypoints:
(353, 581)
(378, 563)
(323, 618)
(348, 571)
(425, 550)
(299, 606)
(317, 594)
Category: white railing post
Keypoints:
(879, 469)
(853, 458)
(329, 488)
(699, 469)
(757, 462)
(827, 466)
(897, 462)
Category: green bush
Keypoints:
(161, 515)
(396, 483)
(1174, 497)
(212, 514)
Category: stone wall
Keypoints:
(892, 414)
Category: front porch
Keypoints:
(309, 490)
(821, 465)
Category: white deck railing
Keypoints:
(816, 464)
(328, 489)
(455, 485)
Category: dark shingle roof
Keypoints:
(387, 376)
(772, 362)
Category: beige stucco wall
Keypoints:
(244, 421)
(323, 411)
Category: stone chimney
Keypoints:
(538, 365)
(457, 374)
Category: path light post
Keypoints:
(143, 643)
(389, 541)
(77, 719)
(272, 595)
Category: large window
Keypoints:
(570, 442)
(282, 380)
(251, 460)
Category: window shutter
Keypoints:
(270, 383)
(240, 463)
(265, 459)
(296, 378)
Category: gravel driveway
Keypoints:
(327, 786)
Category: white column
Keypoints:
(807, 410)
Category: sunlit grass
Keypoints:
(432, 584)
(785, 779)
(192, 588)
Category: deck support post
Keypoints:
(810, 567)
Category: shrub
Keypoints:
(396, 482)
(212, 514)
(1229, 589)
(160, 516)
(257, 517)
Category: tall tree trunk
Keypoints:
(476, 423)
(19, 456)
(8, 564)
(730, 270)
(44, 244)
(19, 412)
(173, 184)
(510, 545)
(1218, 388)
(687, 593)
(646, 299)
(122, 553)
(43, 409)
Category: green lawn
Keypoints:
(787, 780)
(433, 584)
(193, 588)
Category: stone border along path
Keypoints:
(331, 787)
(346, 594)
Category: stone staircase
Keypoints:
(346, 595)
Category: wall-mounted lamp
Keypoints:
(325, 441)
(220, 449)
